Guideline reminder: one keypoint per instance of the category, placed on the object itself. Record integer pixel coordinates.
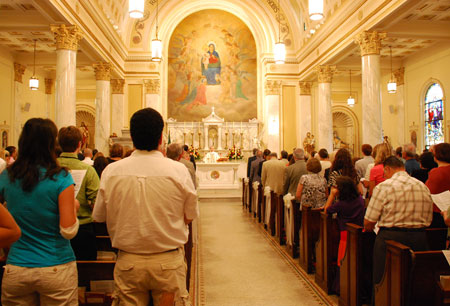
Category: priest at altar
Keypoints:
(211, 156)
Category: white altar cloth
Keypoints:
(220, 179)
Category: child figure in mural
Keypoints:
(211, 65)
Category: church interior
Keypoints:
(268, 74)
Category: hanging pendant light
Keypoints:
(136, 8)
(156, 43)
(350, 100)
(315, 9)
(280, 48)
(392, 85)
(34, 81)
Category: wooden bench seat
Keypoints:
(309, 234)
(327, 252)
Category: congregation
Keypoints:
(385, 190)
(146, 200)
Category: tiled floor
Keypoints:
(239, 265)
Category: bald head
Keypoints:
(299, 154)
(174, 151)
(87, 152)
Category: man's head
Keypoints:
(174, 151)
(299, 154)
(366, 149)
(146, 126)
(87, 153)
(284, 154)
(254, 151)
(442, 152)
(273, 155)
(392, 165)
(211, 149)
(409, 151)
(323, 154)
(259, 153)
(69, 139)
(266, 153)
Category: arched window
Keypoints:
(434, 115)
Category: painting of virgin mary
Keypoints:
(211, 65)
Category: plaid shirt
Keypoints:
(401, 201)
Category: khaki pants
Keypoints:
(55, 285)
(135, 275)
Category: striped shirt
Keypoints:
(401, 201)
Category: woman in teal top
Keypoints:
(41, 267)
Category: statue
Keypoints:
(309, 143)
(338, 143)
(84, 135)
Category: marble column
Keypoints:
(102, 107)
(372, 128)
(48, 95)
(118, 100)
(66, 38)
(400, 79)
(152, 88)
(272, 115)
(325, 117)
(18, 92)
(303, 115)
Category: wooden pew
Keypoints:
(437, 238)
(260, 204)
(309, 234)
(293, 250)
(273, 209)
(327, 252)
(356, 267)
(410, 278)
(279, 215)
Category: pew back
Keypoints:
(309, 234)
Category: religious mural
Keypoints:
(212, 62)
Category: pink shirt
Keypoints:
(377, 174)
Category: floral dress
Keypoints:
(314, 190)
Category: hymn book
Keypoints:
(442, 200)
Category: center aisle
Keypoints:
(239, 265)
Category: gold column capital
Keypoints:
(66, 37)
(18, 72)
(399, 75)
(305, 88)
(272, 87)
(117, 86)
(152, 86)
(48, 86)
(370, 42)
(325, 73)
(102, 71)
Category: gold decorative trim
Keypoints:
(305, 88)
(48, 86)
(325, 73)
(117, 86)
(66, 37)
(152, 86)
(102, 71)
(370, 42)
(272, 88)
(18, 72)
(399, 75)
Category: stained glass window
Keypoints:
(434, 115)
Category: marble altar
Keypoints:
(220, 180)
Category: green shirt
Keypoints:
(89, 186)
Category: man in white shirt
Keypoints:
(88, 157)
(324, 161)
(211, 156)
(361, 165)
(148, 201)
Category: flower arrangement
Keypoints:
(194, 152)
(234, 153)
